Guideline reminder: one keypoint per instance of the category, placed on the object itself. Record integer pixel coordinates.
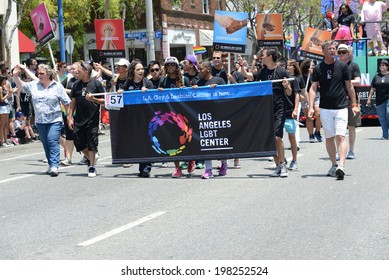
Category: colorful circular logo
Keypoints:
(159, 120)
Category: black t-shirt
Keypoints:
(155, 82)
(277, 73)
(381, 84)
(297, 86)
(346, 20)
(355, 72)
(171, 83)
(213, 80)
(332, 80)
(219, 73)
(192, 79)
(238, 76)
(131, 85)
(85, 110)
(120, 83)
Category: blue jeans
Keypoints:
(49, 134)
(383, 115)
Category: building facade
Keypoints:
(177, 29)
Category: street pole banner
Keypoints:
(230, 31)
(313, 39)
(269, 30)
(228, 121)
(42, 24)
(110, 41)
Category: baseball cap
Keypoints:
(19, 114)
(171, 59)
(343, 47)
(193, 60)
(384, 61)
(123, 62)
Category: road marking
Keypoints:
(23, 156)
(16, 178)
(120, 229)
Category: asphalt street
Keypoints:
(244, 215)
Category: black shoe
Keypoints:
(340, 173)
(144, 174)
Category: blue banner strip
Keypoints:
(202, 93)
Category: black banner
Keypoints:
(232, 121)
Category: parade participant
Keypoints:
(5, 98)
(334, 80)
(380, 85)
(61, 71)
(371, 15)
(174, 79)
(345, 24)
(206, 79)
(217, 66)
(291, 121)
(136, 81)
(67, 139)
(85, 123)
(191, 72)
(155, 72)
(345, 55)
(190, 69)
(306, 68)
(47, 96)
(271, 71)
(233, 77)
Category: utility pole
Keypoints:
(61, 31)
(150, 31)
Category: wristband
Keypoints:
(241, 24)
(354, 105)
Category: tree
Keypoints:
(79, 17)
(9, 31)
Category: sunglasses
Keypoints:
(154, 70)
(170, 64)
(41, 73)
(215, 57)
(342, 52)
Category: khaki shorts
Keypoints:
(354, 120)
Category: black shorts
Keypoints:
(86, 136)
(20, 133)
(69, 134)
(26, 109)
(279, 119)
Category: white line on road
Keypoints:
(23, 156)
(16, 178)
(120, 229)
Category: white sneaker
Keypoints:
(284, 171)
(97, 156)
(332, 171)
(66, 162)
(276, 172)
(92, 172)
(83, 161)
(293, 165)
(54, 172)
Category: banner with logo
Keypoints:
(313, 39)
(42, 25)
(269, 30)
(229, 121)
(110, 40)
(230, 30)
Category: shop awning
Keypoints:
(206, 37)
(26, 45)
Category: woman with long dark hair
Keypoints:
(137, 81)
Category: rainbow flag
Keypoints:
(199, 50)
